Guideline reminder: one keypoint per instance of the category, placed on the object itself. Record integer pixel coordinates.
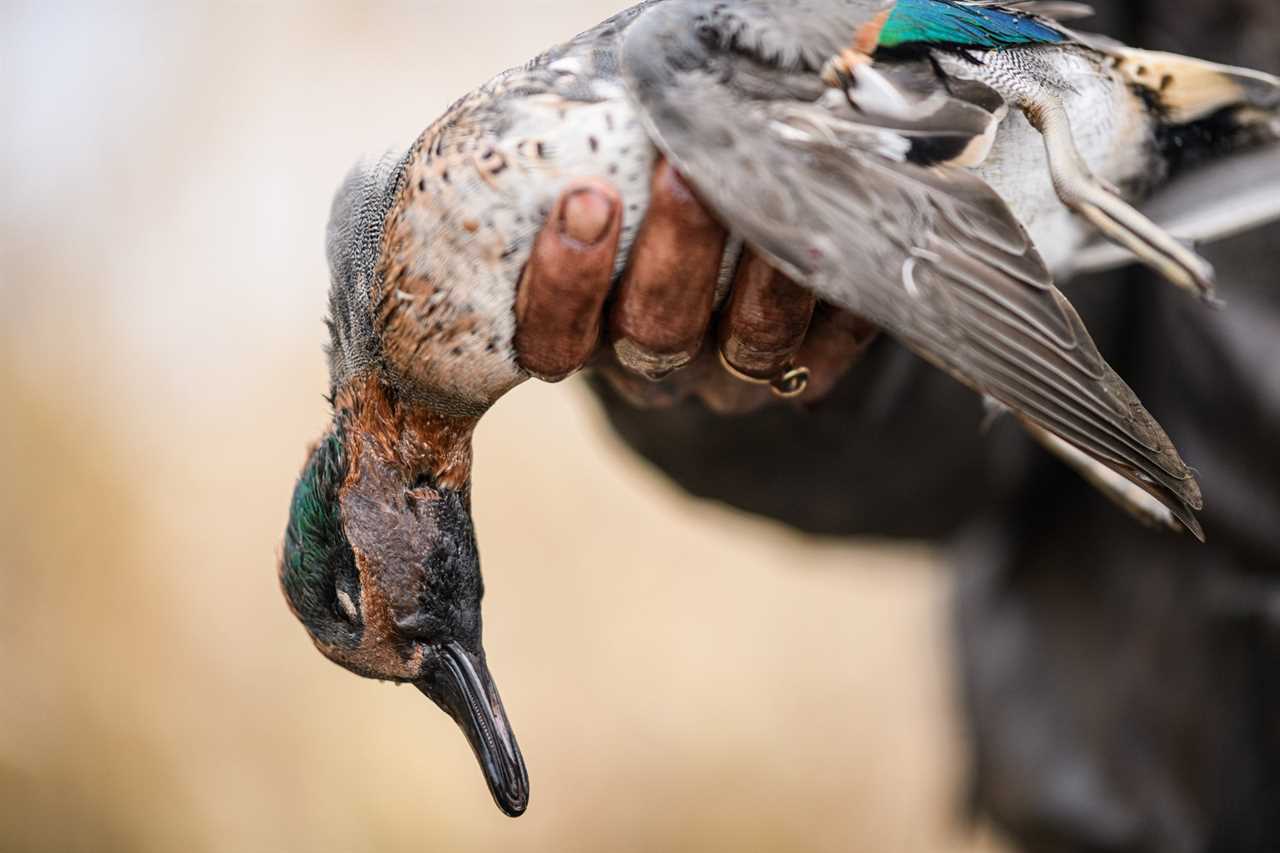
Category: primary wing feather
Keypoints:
(931, 254)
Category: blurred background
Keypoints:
(680, 677)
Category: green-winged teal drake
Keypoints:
(924, 164)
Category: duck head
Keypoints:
(379, 560)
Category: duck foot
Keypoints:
(1103, 207)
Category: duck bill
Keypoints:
(461, 685)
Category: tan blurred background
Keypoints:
(680, 678)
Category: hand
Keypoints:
(662, 339)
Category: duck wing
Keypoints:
(929, 253)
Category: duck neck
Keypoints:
(422, 441)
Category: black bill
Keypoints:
(460, 684)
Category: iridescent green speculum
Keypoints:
(943, 22)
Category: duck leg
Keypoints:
(1102, 206)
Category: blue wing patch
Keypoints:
(948, 22)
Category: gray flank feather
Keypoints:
(353, 239)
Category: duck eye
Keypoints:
(348, 607)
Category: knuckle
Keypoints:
(758, 329)
(548, 367)
(551, 347)
(759, 336)
(755, 361)
(648, 362)
(659, 320)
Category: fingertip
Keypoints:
(673, 196)
(561, 295)
(588, 213)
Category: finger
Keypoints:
(563, 289)
(725, 394)
(766, 320)
(704, 379)
(664, 303)
(837, 341)
(645, 393)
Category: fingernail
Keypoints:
(651, 365)
(755, 362)
(586, 216)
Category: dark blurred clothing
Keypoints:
(1121, 685)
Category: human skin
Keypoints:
(663, 336)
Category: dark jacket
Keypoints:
(1121, 685)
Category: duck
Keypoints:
(926, 164)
